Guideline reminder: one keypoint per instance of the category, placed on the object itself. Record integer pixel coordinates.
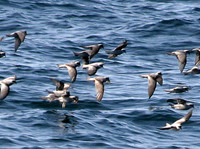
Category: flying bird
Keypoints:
(99, 84)
(5, 86)
(178, 89)
(71, 67)
(118, 50)
(94, 49)
(181, 55)
(19, 38)
(177, 124)
(180, 104)
(153, 79)
(93, 67)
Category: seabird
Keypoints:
(181, 55)
(71, 67)
(118, 50)
(180, 104)
(5, 86)
(153, 79)
(94, 49)
(60, 85)
(84, 55)
(93, 67)
(178, 89)
(177, 124)
(99, 84)
(19, 38)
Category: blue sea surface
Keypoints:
(125, 118)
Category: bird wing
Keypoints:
(72, 73)
(59, 84)
(152, 86)
(21, 35)
(181, 60)
(165, 128)
(17, 43)
(112, 56)
(4, 90)
(100, 90)
(183, 119)
(181, 101)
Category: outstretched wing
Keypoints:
(151, 86)
(100, 90)
(183, 119)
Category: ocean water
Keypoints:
(125, 118)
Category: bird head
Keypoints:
(101, 46)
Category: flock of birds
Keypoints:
(63, 95)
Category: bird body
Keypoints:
(71, 67)
(94, 49)
(99, 85)
(152, 80)
(67, 99)
(93, 67)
